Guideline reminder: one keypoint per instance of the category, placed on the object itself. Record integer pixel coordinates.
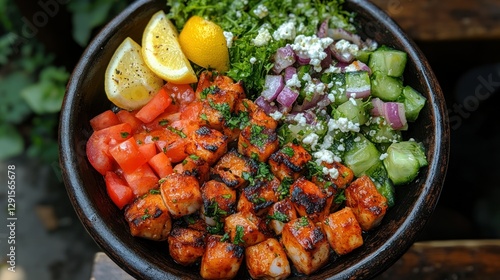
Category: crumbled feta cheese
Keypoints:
(293, 82)
(340, 148)
(276, 115)
(312, 47)
(229, 38)
(253, 60)
(342, 124)
(346, 48)
(286, 31)
(331, 97)
(323, 156)
(352, 100)
(332, 172)
(300, 119)
(311, 139)
(383, 156)
(262, 38)
(261, 11)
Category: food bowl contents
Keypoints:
(267, 136)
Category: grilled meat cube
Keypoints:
(219, 201)
(343, 231)
(260, 117)
(181, 194)
(368, 205)
(289, 161)
(258, 142)
(221, 259)
(195, 166)
(281, 213)
(207, 143)
(231, 167)
(148, 217)
(310, 200)
(259, 196)
(267, 260)
(186, 245)
(344, 178)
(305, 244)
(246, 229)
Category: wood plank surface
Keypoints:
(430, 260)
(438, 20)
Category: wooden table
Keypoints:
(452, 259)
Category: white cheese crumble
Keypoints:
(261, 11)
(383, 156)
(312, 47)
(253, 60)
(300, 119)
(342, 124)
(311, 139)
(262, 38)
(332, 172)
(293, 82)
(286, 31)
(229, 38)
(323, 156)
(276, 115)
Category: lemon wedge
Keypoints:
(203, 42)
(162, 52)
(128, 81)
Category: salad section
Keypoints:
(256, 136)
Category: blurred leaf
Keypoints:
(13, 108)
(86, 16)
(46, 96)
(4, 20)
(6, 42)
(11, 142)
(43, 138)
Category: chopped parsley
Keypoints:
(284, 188)
(124, 134)
(146, 214)
(278, 216)
(163, 122)
(257, 137)
(238, 237)
(177, 131)
(208, 90)
(288, 151)
(223, 109)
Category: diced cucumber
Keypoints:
(337, 81)
(361, 154)
(297, 132)
(388, 61)
(363, 56)
(384, 185)
(357, 82)
(413, 101)
(379, 131)
(386, 87)
(354, 110)
(404, 160)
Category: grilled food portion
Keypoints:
(267, 260)
(148, 217)
(181, 194)
(186, 245)
(232, 167)
(221, 259)
(343, 231)
(289, 161)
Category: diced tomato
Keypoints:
(161, 164)
(176, 151)
(128, 117)
(104, 120)
(155, 106)
(181, 93)
(148, 150)
(97, 147)
(192, 112)
(118, 190)
(127, 155)
(141, 180)
(163, 120)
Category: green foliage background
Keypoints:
(32, 85)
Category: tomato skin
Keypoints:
(118, 190)
(97, 147)
(155, 106)
(181, 93)
(104, 120)
(191, 112)
(141, 180)
(128, 117)
(148, 150)
(161, 164)
(127, 155)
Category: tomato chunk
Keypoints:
(104, 120)
(161, 164)
(148, 150)
(127, 155)
(155, 106)
(141, 180)
(118, 190)
(97, 147)
(128, 117)
(181, 93)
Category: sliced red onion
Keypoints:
(303, 60)
(323, 29)
(359, 66)
(284, 57)
(328, 60)
(378, 107)
(272, 87)
(265, 105)
(287, 97)
(358, 92)
(340, 33)
(289, 72)
(342, 57)
(394, 113)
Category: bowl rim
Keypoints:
(412, 225)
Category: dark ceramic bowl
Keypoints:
(143, 259)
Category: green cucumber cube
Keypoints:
(386, 87)
(389, 61)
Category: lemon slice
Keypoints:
(128, 81)
(162, 52)
(203, 42)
